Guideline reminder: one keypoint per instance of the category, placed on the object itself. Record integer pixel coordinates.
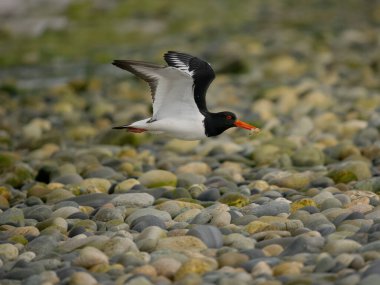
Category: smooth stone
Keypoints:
(79, 215)
(373, 269)
(238, 241)
(210, 235)
(181, 243)
(166, 266)
(164, 216)
(297, 181)
(187, 180)
(288, 268)
(373, 246)
(149, 237)
(126, 185)
(301, 244)
(13, 217)
(344, 199)
(71, 244)
(80, 278)
(104, 172)
(196, 167)
(108, 214)
(94, 200)
(175, 208)
(261, 269)
(58, 195)
(331, 203)
(95, 185)
(211, 194)
(27, 256)
(273, 250)
(348, 171)
(139, 200)
(371, 279)
(187, 216)
(324, 263)
(301, 204)
(322, 182)
(64, 212)
(308, 156)
(273, 208)
(139, 224)
(158, 178)
(177, 193)
(216, 215)
(336, 247)
(47, 277)
(77, 230)
(197, 266)
(38, 212)
(8, 251)
(28, 231)
(43, 245)
(138, 280)
(234, 199)
(118, 244)
(322, 196)
(71, 178)
(180, 146)
(232, 259)
(90, 256)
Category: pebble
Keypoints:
(79, 278)
(162, 215)
(158, 178)
(210, 235)
(336, 247)
(197, 266)
(166, 266)
(12, 216)
(216, 215)
(139, 224)
(181, 243)
(90, 256)
(8, 251)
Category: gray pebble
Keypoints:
(12, 216)
(210, 235)
(140, 223)
(211, 194)
(38, 212)
(273, 208)
(71, 178)
(94, 200)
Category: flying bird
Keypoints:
(179, 99)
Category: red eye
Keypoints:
(229, 117)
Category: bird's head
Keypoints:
(217, 123)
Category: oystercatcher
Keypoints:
(179, 99)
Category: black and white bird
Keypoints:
(179, 99)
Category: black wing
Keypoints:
(199, 70)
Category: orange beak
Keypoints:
(241, 124)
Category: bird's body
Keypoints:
(179, 98)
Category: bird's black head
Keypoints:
(217, 123)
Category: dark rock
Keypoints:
(38, 212)
(210, 235)
(140, 223)
(211, 194)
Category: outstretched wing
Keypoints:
(178, 90)
(199, 70)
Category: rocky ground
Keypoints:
(298, 203)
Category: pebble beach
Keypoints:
(297, 203)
